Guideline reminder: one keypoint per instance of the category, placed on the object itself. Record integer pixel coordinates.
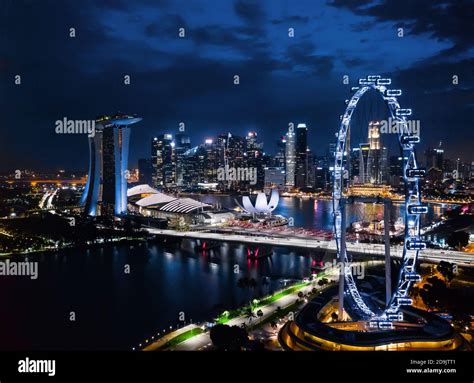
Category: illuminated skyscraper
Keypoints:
(182, 145)
(163, 161)
(290, 158)
(301, 146)
(106, 188)
(376, 167)
(364, 170)
(279, 159)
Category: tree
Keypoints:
(227, 338)
(435, 294)
(446, 269)
(260, 313)
(323, 281)
(300, 295)
(249, 314)
(458, 239)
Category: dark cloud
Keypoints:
(166, 26)
(362, 26)
(304, 56)
(450, 20)
(250, 11)
(291, 20)
(190, 79)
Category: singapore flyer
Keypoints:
(413, 207)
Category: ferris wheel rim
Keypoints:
(399, 296)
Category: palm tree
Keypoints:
(250, 314)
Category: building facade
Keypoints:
(105, 192)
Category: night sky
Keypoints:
(190, 79)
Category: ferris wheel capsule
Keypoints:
(415, 244)
(395, 317)
(393, 92)
(403, 112)
(385, 325)
(415, 172)
(404, 301)
(408, 139)
(384, 81)
(417, 209)
(412, 277)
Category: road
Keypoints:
(164, 339)
(428, 255)
(201, 342)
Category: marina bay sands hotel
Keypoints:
(105, 192)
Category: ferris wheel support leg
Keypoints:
(342, 260)
(388, 272)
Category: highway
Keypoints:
(260, 238)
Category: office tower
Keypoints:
(182, 145)
(145, 171)
(290, 157)
(434, 158)
(395, 171)
(105, 192)
(251, 144)
(374, 160)
(236, 151)
(321, 172)
(310, 169)
(274, 176)
(211, 158)
(301, 146)
(163, 161)
(430, 158)
(221, 144)
(190, 166)
(254, 160)
(331, 155)
(354, 160)
(279, 159)
(439, 158)
(364, 168)
(384, 166)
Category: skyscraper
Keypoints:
(163, 161)
(182, 145)
(145, 171)
(434, 158)
(364, 169)
(105, 192)
(301, 146)
(290, 158)
(374, 169)
(254, 158)
(279, 159)
(374, 156)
